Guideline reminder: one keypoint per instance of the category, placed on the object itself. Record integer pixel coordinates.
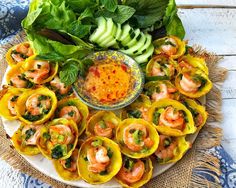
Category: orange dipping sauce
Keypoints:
(108, 81)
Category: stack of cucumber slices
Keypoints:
(132, 42)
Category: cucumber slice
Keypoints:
(131, 51)
(145, 46)
(118, 32)
(130, 36)
(144, 57)
(109, 28)
(136, 38)
(110, 41)
(100, 30)
(117, 36)
(125, 32)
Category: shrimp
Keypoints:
(40, 72)
(61, 134)
(166, 148)
(171, 69)
(184, 64)
(156, 70)
(56, 82)
(188, 84)
(22, 51)
(72, 161)
(98, 159)
(170, 47)
(70, 113)
(144, 112)
(133, 175)
(18, 81)
(17, 57)
(32, 140)
(131, 142)
(198, 120)
(104, 129)
(11, 104)
(165, 92)
(37, 103)
(172, 118)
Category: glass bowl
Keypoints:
(134, 84)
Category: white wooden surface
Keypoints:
(226, 3)
(212, 24)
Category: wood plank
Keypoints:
(228, 126)
(229, 119)
(214, 29)
(228, 89)
(228, 62)
(206, 3)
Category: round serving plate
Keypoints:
(45, 166)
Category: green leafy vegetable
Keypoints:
(110, 5)
(121, 15)
(68, 73)
(172, 22)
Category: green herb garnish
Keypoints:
(97, 143)
(129, 163)
(71, 113)
(58, 151)
(137, 135)
(46, 135)
(103, 173)
(134, 113)
(156, 116)
(68, 162)
(14, 98)
(30, 132)
(109, 152)
(102, 124)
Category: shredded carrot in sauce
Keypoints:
(108, 82)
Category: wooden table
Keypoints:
(212, 24)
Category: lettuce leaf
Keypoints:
(172, 22)
(157, 13)
(147, 12)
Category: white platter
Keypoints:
(46, 166)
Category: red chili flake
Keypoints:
(108, 96)
(103, 100)
(114, 71)
(109, 77)
(94, 88)
(124, 67)
(95, 71)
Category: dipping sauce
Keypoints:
(108, 81)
